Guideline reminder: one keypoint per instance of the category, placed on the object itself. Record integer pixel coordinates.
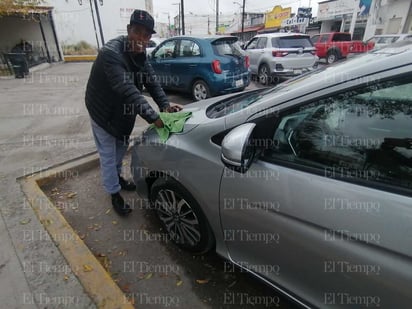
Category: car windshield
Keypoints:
(235, 103)
(244, 100)
(227, 47)
(292, 42)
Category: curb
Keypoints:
(94, 278)
(80, 58)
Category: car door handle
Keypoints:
(192, 65)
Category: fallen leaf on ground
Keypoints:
(87, 268)
(71, 194)
(114, 222)
(25, 221)
(148, 276)
(202, 281)
(179, 283)
(107, 211)
(66, 277)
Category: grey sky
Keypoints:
(162, 7)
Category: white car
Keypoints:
(386, 39)
(276, 55)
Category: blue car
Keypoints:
(204, 67)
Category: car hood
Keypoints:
(198, 110)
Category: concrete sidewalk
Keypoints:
(43, 122)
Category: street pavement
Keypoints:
(43, 123)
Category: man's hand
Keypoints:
(173, 109)
(158, 123)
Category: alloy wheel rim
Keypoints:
(200, 92)
(178, 217)
(263, 75)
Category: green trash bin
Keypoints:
(19, 64)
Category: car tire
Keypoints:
(264, 75)
(181, 216)
(332, 57)
(200, 90)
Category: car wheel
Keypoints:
(200, 90)
(181, 216)
(332, 57)
(264, 75)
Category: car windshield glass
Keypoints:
(293, 42)
(234, 104)
(244, 100)
(226, 47)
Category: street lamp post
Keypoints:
(243, 17)
(178, 18)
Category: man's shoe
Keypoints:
(126, 185)
(119, 205)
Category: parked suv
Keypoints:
(275, 55)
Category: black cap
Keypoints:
(143, 18)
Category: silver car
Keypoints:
(386, 39)
(307, 185)
(276, 55)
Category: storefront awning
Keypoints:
(249, 29)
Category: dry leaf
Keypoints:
(87, 268)
(114, 222)
(107, 211)
(179, 283)
(25, 221)
(66, 277)
(148, 276)
(71, 194)
(202, 281)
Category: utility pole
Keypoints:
(98, 19)
(94, 23)
(183, 16)
(243, 19)
(217, 16)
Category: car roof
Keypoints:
(205, 37)
(281, 34)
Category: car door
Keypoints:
(186, 64)
(254, 50)
(325, 210)
(161, 60)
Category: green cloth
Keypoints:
(173, 123)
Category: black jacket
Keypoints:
(113, 94)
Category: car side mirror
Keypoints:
(237, 149)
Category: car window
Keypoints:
(261, 43)
(292, 42)
(315, 38)
(166, 50)
(188, 49)
(324, 38)
(364, 135)
(252, 44)
(223, 47)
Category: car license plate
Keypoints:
(239, 83)
(297, 72)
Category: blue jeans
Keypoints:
(111, 152)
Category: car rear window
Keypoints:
(227, 47)
(292, 42)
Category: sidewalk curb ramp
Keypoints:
(96, 281)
